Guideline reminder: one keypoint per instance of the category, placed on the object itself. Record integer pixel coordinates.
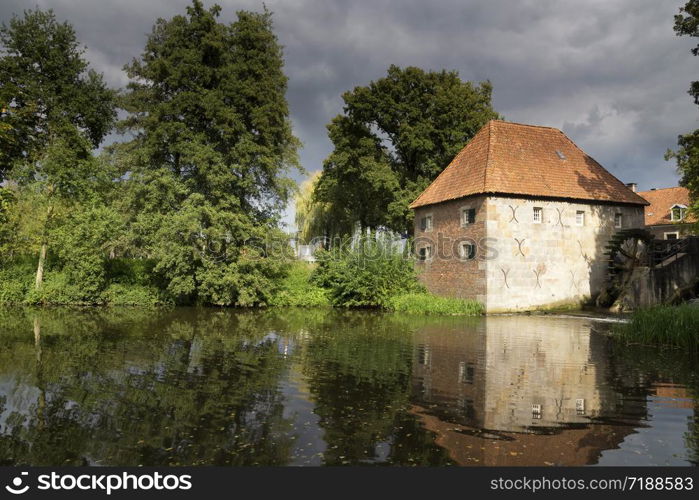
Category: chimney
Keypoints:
(632, 186)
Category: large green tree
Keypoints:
(687, 154)
(55, 110)
(393, 138)
(211, 149)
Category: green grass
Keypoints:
(297, 290)
(675, 326)
(425, 303)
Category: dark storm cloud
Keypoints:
(612, 75)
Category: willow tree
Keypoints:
(55, 110)
(316, 219)
(211, 150)
(394, 137)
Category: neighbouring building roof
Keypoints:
(516, 159)
(661, 202)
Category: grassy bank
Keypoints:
(675, 326)
(298, 290)
(426, 303)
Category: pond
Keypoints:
(192, 386)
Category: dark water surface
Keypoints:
(322, 387)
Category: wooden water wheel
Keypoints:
(627, 250)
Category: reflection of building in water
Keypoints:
(531, 383)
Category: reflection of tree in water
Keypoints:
(359, 369)
(637, 369)
(174, 388)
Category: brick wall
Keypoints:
(445, 273)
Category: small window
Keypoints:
(426, 223)
(425, 253)
(468, 216)
(466, 373)
(580, 218)
(538, 215)
(672, 236)
(467, 250)
(677, 213)
(618, 221)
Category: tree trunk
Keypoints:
(40, 268)
(42, 253)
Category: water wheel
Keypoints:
(627, 250)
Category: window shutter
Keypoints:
(423, 223)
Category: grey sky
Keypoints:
(611, 74)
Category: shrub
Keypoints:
(130, 271)
(676, 326)
(16, 277)
(12, 291)
(426, 303)
(297, 289)
(367, 274)
(57, 289)
(118, 294)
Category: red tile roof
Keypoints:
(661, 201)
(526, 160)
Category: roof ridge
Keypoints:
(660, 189)
(525, 124)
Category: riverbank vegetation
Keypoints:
(426, 303)
(362, 277)
(182, 204)
(673, 326)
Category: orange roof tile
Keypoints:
(512, 158)
(661, 201)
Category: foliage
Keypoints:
(687, 23)
(82, 247)
(7, 203)
(119, 294)
(212, 144)
(297, 289)
(314, 218)
(687, 158)
(187, 209)
(15, 280)
(426, 303)
(687, 154)
(55, 111)
(393, 138)
(59, 289)
(49, 96)
(675, 326)
(365, 273)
